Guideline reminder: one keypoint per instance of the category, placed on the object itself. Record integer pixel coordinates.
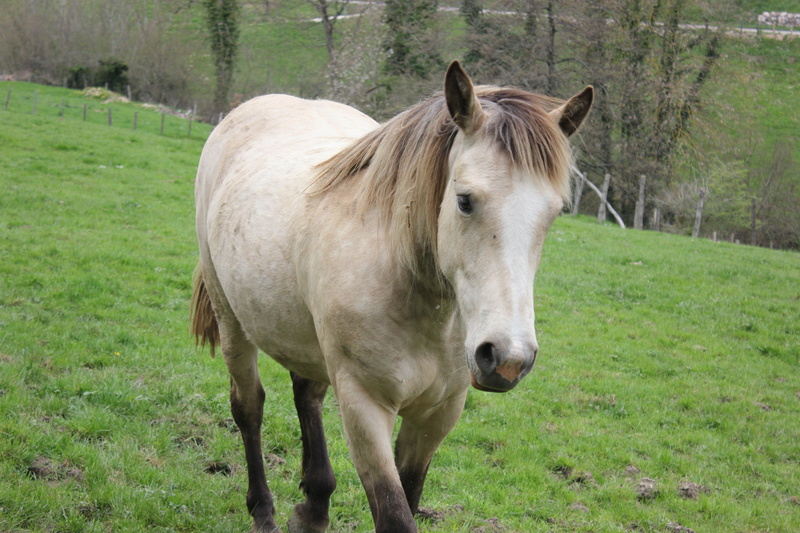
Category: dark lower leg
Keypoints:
(412, 476)
(318, 481)
(417, 441)
(389, 508)
(248, 416)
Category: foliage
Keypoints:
(409, 38)
(662, 357)
(223, 33)
(112, 73)
(63, 42)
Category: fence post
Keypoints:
(576, 202)
(656, 219)
(698, 214)
(601, 211)
(110, 121)
(8, 97)
(638, 213)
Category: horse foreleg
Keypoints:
(247, 407)
(419, 438)
(368, 427)
(318, 481)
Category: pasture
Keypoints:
(661, 358)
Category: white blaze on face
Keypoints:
(490, 255)
(525, 217)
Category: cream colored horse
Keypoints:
(393, 262)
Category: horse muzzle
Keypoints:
(498, 369)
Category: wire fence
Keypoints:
(99, 106)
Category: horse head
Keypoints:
(507, 181)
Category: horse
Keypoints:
(392, 262)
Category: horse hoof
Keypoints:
(296, 525)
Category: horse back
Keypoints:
(251, 202)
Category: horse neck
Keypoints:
(427, 280)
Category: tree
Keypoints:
(223, 31)
(329, 12)
(649, 79)
(409, 43)
(774, 201)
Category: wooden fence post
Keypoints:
(593, 187)
(191, 117)
(601, 211)
(656, 219)
(638, 213)
(8, 97)
(698, 214)
(110, 121)
(576, 202)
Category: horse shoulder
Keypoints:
(373, 324)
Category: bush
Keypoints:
(112, 74)
(79, 77)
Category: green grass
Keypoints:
(753, 93)
(678, 357)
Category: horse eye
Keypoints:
(464, 204)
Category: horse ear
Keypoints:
(570, 116)
(464, 107)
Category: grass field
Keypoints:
(662, 358)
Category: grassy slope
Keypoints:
(678, 357)
(756, 86)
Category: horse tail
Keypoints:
(204, 325)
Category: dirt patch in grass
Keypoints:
(691, 491)
(631, 471)
(563, 471)
(274, 460)
(434, 516)
(578, 506)
(674, 527)
(647, 489)
(46, 469)
(763, 406)
(493, 525)
(582, 480)
(219, 467)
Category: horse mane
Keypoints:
(403, 163)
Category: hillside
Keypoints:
(662, 357)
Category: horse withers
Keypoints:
(394, 262)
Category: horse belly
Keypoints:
(251, 246)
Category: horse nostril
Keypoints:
(485, 357)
